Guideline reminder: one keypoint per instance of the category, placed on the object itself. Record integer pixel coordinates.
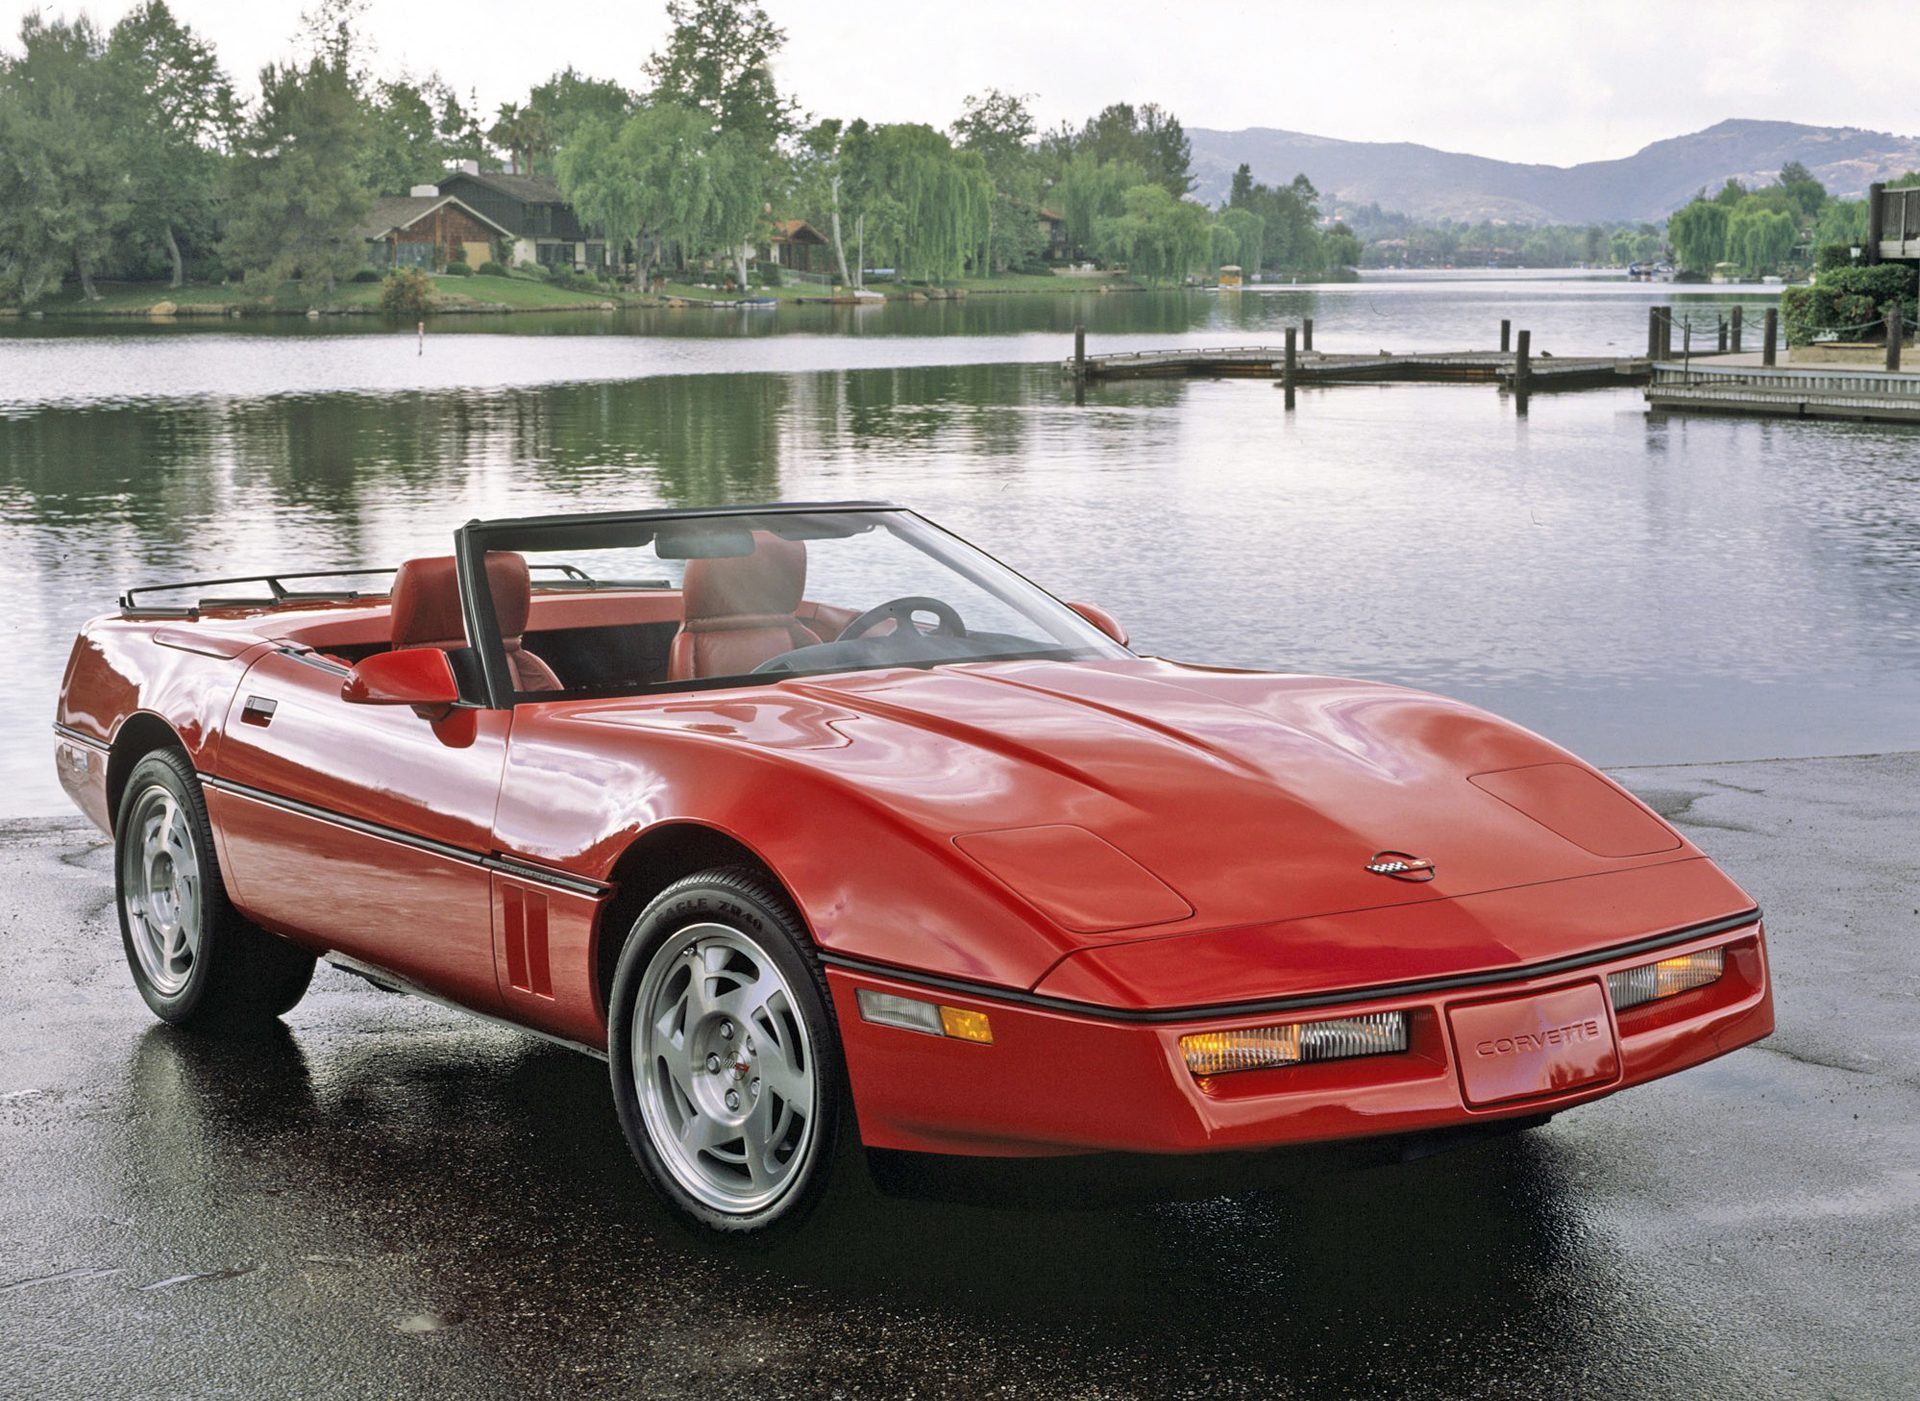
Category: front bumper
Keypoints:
(1056, 1081)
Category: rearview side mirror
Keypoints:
(421, 677)
(1103, 620)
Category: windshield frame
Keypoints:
(594, 530)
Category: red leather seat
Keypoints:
(426, 612)
(740, 611)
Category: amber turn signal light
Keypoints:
(1290, 1043)
(1652, 981)
(936, 1019)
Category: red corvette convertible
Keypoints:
(815, 822)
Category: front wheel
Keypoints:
(724, 1060)
(196, 961)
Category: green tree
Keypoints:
(646, 181)
(413, 133)
(64, 192)
(1699, 234)
(179, 122)
(1339, 248)
(1090, 190)
(1759, 239)
(1149, 137)
(738, 172)
(522, 133)
(1841, 222)
(927, 206)
(819, 172)
(1807, 193)
(1159, 238)
(1000, 127)
(1730, 193)
(297, 191)
(1249, 236)
(568, 99)
(1240, 193)
(719, 59)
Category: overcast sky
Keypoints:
(1527, 80)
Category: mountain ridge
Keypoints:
(1410, 178)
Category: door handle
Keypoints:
(258, 711)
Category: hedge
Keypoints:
(1849, 301)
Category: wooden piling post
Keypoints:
(1286, 375)
(1735, 315)
(1306, 334)
(1523, 366)
(1506, 335)
(1767, 335)
(1653, 333)
(1895, 331)
(1723, 335)
(1666, 333)
(1079, 352)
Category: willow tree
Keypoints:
(1760, 239)
(1250, 232)
(644, 180)
(1699, 234)
(1090, 190)
(1158, 237)
(926, 204)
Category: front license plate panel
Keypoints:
(1524, 1047)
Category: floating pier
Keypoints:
(1837, 391)
(1310, 367)
(1720, 380)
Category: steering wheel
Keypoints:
(901, 611)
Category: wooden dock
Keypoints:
(1544, 372)
(1838, 391)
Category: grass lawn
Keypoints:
(138, 298)
(510, 293)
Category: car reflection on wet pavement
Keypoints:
(385, 1198)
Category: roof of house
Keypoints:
(1051, 217)
(796, 231)
(404, 211)
(533, 189)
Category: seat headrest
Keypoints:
(769, 581)
(426, 600)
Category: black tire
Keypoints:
(235, 975)
(743, 904)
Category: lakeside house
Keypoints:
(428, 231)
(539, 225)
(798, 245)
(1054, 227)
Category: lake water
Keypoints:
(1644, 588)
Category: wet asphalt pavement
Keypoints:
(388, 1199)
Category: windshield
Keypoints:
(610, 607)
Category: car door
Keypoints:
(363, 829)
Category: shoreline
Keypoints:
(465, 296)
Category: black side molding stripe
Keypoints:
(1378, 992)
(67, 732)
(519, 870)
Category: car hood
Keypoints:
(1252, 797)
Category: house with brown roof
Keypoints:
(428, 231)
(796, 244)
(541, 224)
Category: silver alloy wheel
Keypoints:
(724, 1068)
(160, 885)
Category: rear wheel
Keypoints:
(724, 1060)
(195, 960)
